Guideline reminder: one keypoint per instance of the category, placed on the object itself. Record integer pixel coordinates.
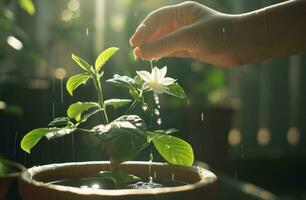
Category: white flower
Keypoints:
(156, 80)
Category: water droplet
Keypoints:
(159, 121)
(202, 117)
(173, 177)
(84, 187)
(150, 179)
(167, 146)
(95, 186)
(223, 30)
(156, 111)
(53, 110)
(155, 175)
(144, 106)
(62, 92)
(188, 102)
(87, 31)
(156, 99)
(151, 64)
(150, 167)
(72, 145)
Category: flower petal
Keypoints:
(163, 72)
(146, 76)
(146, 86)
(167, 81)
(155, 74)
(159, 89)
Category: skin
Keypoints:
(196, 31)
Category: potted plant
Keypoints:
(9, 173)
(122, 139)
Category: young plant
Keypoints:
(122, 138)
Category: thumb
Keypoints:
(179, 40)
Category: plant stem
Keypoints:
(131, 107)
(84, 130)
(100, 96)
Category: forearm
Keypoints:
(270, 32)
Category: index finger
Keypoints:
(162, 17)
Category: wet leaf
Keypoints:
(123, 138)
(116, 103)
(173, 149)
(75, 110)
(123, 81)
(104, 57)
(75, 81)
(28, 6)
(82, 63)
(33, 137)
(176, 90)
(60, 122)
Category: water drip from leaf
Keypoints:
(150, 167)
(156, 111)
(87, 32)
(144, 106)
(159, 121)
(62, 92)
(202, 117)
(173, 177)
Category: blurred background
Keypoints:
(247, 123)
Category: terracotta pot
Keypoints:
(32, 184)
(8, 182)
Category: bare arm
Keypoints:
(271, 32)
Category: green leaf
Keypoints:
(123, 81)
(174, 150)
(32, 138)
(75, 110)
(116, 103)
(82, 63)
(123, 138)
(75, 81)
(176, 90)
(139, 82)
(28, 6)
(104, 57)
(60, 122)
(87, 116)
(120, 178)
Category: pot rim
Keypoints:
(12, 164)
(206, 178)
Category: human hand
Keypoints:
(186, 30)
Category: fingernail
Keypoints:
(136, 53)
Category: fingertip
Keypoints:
(136, 37)
(137, 53)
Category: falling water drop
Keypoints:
(159, 121)
(241, 151)
(156, 99)
(151, 64)
(144, 106)
(188, 102)
(156, 111)
(15, 145)
(202, 117)
(72, 144)
(155, 175)
(53, 110)
(173, 177)
(87, 32)
(150, 167)
(62, 92)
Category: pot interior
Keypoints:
(85, 175)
